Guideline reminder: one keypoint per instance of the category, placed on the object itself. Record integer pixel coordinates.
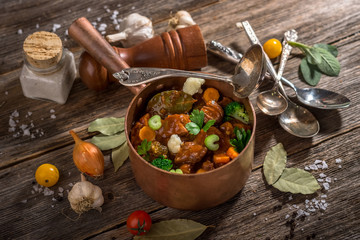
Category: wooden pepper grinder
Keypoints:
(181, 49)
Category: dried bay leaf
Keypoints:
(105, 142)
(176, 229)
(119, 155)
(296, 180)
(107, 126)
(274, 163)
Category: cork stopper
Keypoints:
(43, 49)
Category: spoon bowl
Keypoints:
(299, 121)
(249, 71)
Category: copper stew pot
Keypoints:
(189, 191)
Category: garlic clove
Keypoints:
(134, 29)
(180, 20)
(87, 157)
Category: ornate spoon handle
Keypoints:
(137, 76)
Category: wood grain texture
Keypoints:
(31, 215)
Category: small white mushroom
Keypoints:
(134, 29)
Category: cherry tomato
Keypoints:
(138, 223)
(272, 48)
(47, 175)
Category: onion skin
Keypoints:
(87, 157)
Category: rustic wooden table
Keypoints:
(258, 211)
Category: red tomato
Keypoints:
(138, 223)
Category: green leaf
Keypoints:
(313, 56)
(208, 124)
(193, 128)
(197, 117)
(310, 73)
(105, 142)
(329, 64)
(176, 229)
(144, 147)
(274, 163)
(119, 155)
(296, 180)
(330, 48)
(107, 126)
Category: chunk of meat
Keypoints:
(212, 110)
(172, 124)
(227, 128)
(191, 153)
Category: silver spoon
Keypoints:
(296, 120)
(313, 97)
(248, 72)
(270, 102)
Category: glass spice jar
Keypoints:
(49, 69)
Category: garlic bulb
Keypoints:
(135, 29)
(180, 20)
(85, 196)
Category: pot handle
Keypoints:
(83, 32)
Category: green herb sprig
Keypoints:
(197, 121)
(320, 58)
(242, 138)
(143, 149)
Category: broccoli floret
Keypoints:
(163, 163)
(237, 111)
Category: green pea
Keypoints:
(210, 142)
(155, 122)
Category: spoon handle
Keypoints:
(254, 40)
(140, 75)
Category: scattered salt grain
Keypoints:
(317, 161)
(54, 199)
(133, 8)
(52, 110)
(102, 27)
(52, 116)
(328, 179)
(322, 175)
(313, 167)
(254, 214)
(266, 219)
(36, 188)
(26, 132)
(6, 93)
(335, 179)
(320, 180)
(287, 216)
(323, 201)
(326, 186)
(88, 9)
(24, 201)
(15, 114)
(323, 196)
(20, 31)
(32, 192)
(117, 27)
(295, 206)
(61, 189)
(324, 165)
(98, 19)
(66, 32)
(290, 198)
(340, 166)
(48, 192)
(338, 160)
(37, 26)
(61, 194)
(12, 123)
(56, 27)
(71, 184)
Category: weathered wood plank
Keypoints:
(260, 211)
(47, 13)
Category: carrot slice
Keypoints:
(221, 158)
(200, 170)
(147, 133)
(232, 153)
(211, 94)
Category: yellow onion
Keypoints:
(87, 157)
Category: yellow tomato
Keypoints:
(272, 48)
(47, 175)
